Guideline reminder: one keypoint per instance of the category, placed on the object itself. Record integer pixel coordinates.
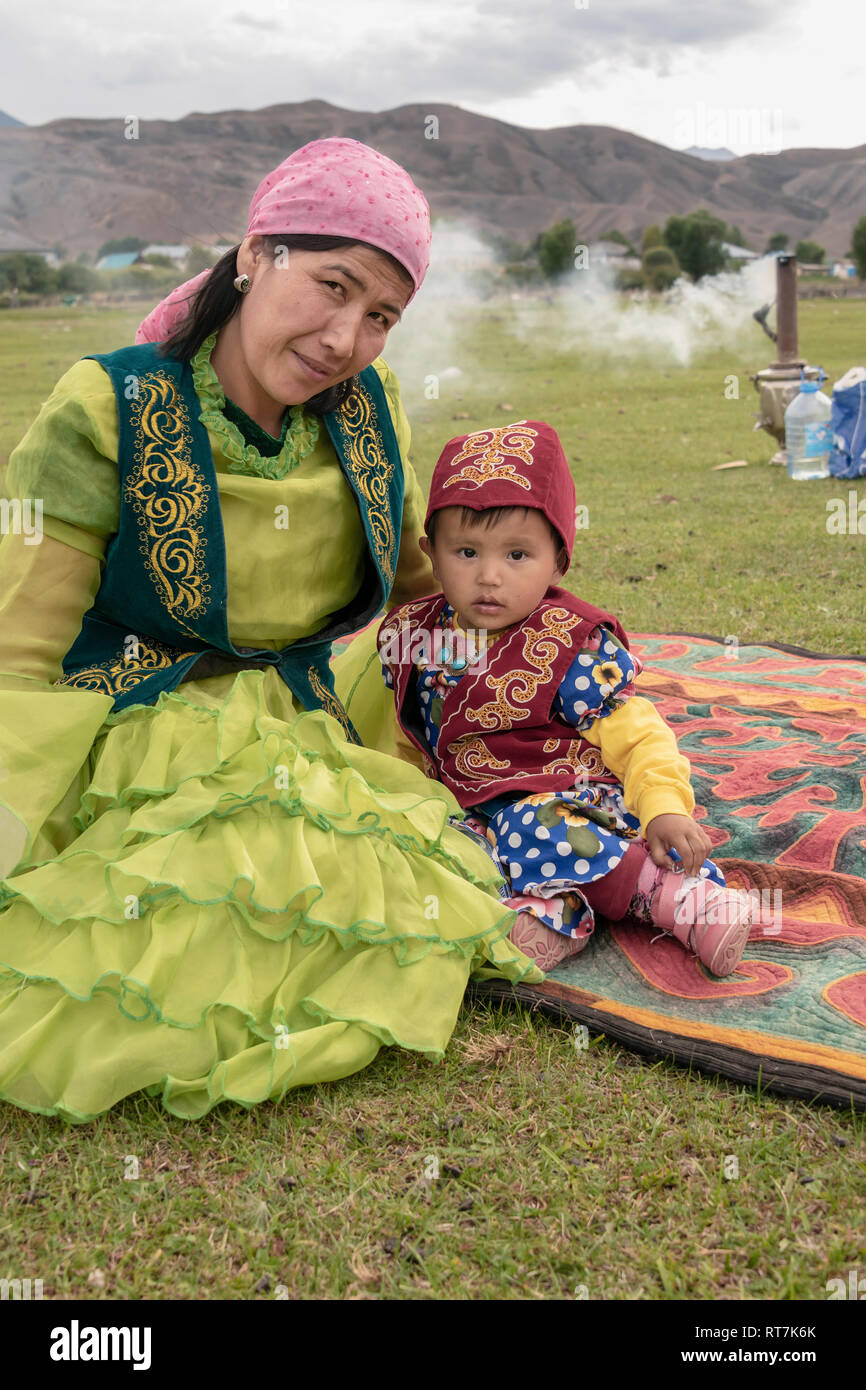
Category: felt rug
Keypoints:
(776, 738)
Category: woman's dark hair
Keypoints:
(217, 301)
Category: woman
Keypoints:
(212, 890)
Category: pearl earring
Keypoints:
(242, 283)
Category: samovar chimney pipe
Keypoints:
(786, 312)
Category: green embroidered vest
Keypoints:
(159, 616)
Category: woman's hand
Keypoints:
(684, 835)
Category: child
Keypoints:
(521, 697)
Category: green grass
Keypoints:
(556, 1169)
(560, 1171)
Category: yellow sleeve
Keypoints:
(414, 577)
(75, 536)
(639, 748)
(45, 590)
(46, 731)
(68, 459)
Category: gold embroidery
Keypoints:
(330, 704)
(472, 756)
(572, 760)
(126, 670)
(169, 496)
(484, 455)
(371, 469)
(517, 688)
(400, 640)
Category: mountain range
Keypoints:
(77, 182)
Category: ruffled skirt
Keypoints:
(243, 902)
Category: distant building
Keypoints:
(118, 260)
(614, 254)
(844, 270)
(11, 245)
(174, 253)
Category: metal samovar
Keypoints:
(778, 384)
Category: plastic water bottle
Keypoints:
(808, 436)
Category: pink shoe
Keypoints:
(541, 943)
(713, 922)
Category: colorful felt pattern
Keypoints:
(777, 744)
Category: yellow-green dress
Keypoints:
(217, 896)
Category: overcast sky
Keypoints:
(753, 75)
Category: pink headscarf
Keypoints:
(333, 187)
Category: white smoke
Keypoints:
(583, 311)
(686, 320)
(427, 350)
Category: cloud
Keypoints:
(454, 51)
(253, 22)
(643, 33)
(629, 63)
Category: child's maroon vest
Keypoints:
(498, 731)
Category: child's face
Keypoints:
(493, 576)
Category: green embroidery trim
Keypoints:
(267, 445)
(301, 435)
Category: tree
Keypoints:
(198, 258)
(117, 244)
(652, 237)
(735, 236)
(556, 249)
(810, 253)
(139, 277)
(629, 279)
(696, 241)
(858, 248)
(505, 248)
(43, 277)
(617, 235)
(660, 267)
(73, 278)
(26, 273)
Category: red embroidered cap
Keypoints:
(519, 465)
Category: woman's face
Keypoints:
(312, 319)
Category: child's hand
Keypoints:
(682, 834)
